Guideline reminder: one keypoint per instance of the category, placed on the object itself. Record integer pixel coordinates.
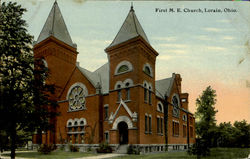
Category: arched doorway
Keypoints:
(123, 132)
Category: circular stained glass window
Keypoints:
(77, 98)
(175, 101)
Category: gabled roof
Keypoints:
(131, 28)
(91, 76)
(55, 26)
(101, 76)
(103, 73)
(164, 86)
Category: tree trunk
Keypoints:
(165, 105)
(13, 142)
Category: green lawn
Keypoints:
(216, 153)
(53, 155)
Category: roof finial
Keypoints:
(132, 8)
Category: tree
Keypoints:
(205, 115)
(242, 134)
(26, 103)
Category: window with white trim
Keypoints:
(149, 95)
(145, 93)
(127, 91)
(149, 124)
(147, 69)
(76, 130)
(76, 97)
(106, 136)
(176, 105)
(123, 67)
(146, 123)
(106, 112)
(175, 128)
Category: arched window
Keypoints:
(175, 101)
(145, 93)
(45, 63)
(176, 105)
(148, 69)
(119, 93)
(127, 91)
(149, 95)
(123, 68)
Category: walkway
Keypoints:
(110, 155)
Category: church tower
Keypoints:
(132, 76)
(55, 47)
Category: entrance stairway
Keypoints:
(122, 149)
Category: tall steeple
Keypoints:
(55, 26)
(131, 28)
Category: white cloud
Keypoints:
(176, 51)
(213, 29)
(215, 48)
(228, 38)
(173, 45)
(224, 21)
(170, 38)
(165, 57)
(203, 37)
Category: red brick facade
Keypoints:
(121, 102)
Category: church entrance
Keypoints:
(123, 133)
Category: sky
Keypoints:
(207, 49)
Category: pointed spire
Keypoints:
(131, 28)
(132, 8)
(55, 26)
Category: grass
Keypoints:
(52, 155)
(216, 153)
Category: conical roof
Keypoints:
(55, 26)
(131, 28)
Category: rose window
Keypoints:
(77, 98)
(175, 103)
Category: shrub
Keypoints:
(104, 148)
(200, 148)
(46, 148)
(133, 150)
(73, 148)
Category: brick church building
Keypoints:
(120, 102)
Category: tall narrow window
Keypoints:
(184, 131)
(70, 138)
(149, 96)
(76, 139)
(106, 135)
(106, 112)
(127, 94)
(82, 138)
(119, 93)
(158, 125)
(175, 128)
(145, 94)
(161, 125)
(191, 132)
(149, 124)
(146, 123)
